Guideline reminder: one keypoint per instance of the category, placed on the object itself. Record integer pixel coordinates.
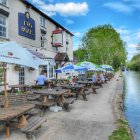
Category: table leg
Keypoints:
(7, 131)
(45, 99)
(22, 121)
(83, 94)
(93, 89)
(61, 100)
(70, 92)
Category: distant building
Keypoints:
(23, 23)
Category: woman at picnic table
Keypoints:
(41, 79)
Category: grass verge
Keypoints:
(122, 132)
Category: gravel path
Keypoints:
(88, 120)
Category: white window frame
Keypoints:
(4, 2)
(22, 76)
(43, 22)
(51, 71)
(4, 26)
(42, 41)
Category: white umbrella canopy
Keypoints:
(89, 65)
(13, 53)
(105, 66)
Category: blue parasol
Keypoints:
(69, 68)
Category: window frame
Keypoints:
(51, 71)
(4, 2)
(4, 26)
(22, 76)
(42, 21)
(42, 41)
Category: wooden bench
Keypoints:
(33, 125)
(21, 87)
(87, 92)
(2, 126)
(15, 115)
(94, 89)
(43, 105)
(33, 97)
(67, 102)
(15, 100)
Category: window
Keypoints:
(43, 22)
(51, 71)
(2, 26)
(44, 68)
(42, 39)
(22, 76)
(3, 2)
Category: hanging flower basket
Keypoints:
(17, 68)
(31, 69)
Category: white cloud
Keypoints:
(122, 31)
(126, 6)
(39, 2)
(126, 38)
(64, 9)
(50, 14)
(119, 7)
(69, 21)
(138, 35)
(78, 34)
(132, 46)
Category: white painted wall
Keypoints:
(14, 7)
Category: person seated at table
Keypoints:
(74, 79)
(41, 79)
(96, 81)
(102, 77)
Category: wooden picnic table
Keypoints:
(89, 79)
(59, 93)
(12, 112)
(19, 86)
(89, 84)
(50, 83)
(79, 89)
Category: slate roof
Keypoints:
(38, 54)
(62, 57)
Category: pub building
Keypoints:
(25, 24)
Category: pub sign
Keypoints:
(57, 38)
(26, 25)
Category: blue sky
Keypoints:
(80, 15)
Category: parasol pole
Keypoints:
(5, 90)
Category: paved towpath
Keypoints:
(88, 120)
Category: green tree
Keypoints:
(135, 63)
(103, 46)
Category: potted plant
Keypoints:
(31, 69)
(17, 68)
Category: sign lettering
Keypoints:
(26, 25)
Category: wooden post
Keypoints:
(5, 90)
(7, 131)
